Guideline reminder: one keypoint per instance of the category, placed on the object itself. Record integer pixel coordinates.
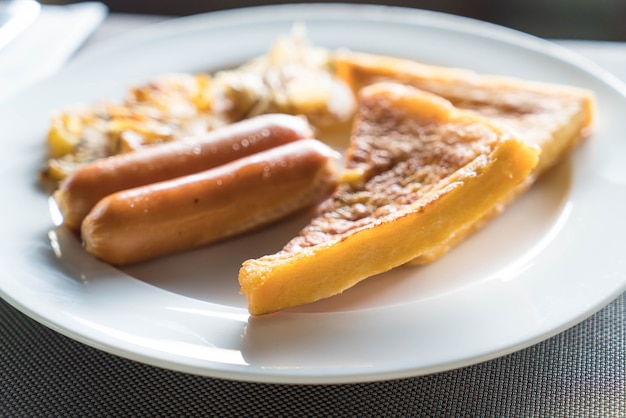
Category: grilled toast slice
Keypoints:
(417, 170)
(554, 118)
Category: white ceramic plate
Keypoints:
(549, 262)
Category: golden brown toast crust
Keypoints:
(418, 169)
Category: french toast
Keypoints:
(554, 118)
(417, 170)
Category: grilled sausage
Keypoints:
(198, 209)
(80, 191)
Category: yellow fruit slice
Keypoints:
(417, 170)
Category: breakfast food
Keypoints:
(179, 124)
(164, 109)
(433, 154)
(293, 77)
(552, 117)
(84, 187)
(194, 210)
(417, 170)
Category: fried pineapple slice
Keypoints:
(417, 170)
(555, 118)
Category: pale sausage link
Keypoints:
(78, 193)
(198, 209)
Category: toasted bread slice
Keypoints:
(553, 117)
(417, 170)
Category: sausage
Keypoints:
(81, 190)
(194, 210)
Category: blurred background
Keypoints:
(565, 19)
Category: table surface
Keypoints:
(579, 372)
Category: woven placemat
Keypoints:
(580, 372)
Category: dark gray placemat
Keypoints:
(580, 372)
